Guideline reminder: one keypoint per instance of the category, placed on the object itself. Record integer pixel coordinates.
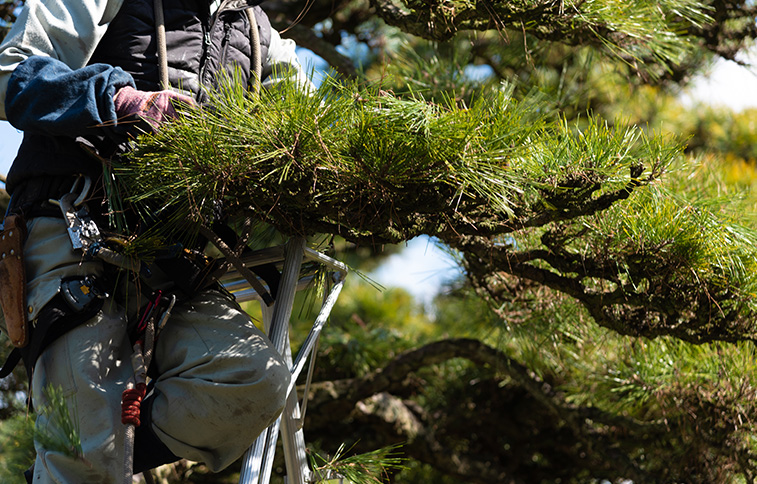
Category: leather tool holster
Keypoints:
(13, 279)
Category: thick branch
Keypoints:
(662, 297)
(373, 395)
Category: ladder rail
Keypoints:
(257, 462)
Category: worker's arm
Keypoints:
(282, 63)
(44, 84)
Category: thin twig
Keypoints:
(237, 263)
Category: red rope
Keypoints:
(131, 399)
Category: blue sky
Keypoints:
(10, 137)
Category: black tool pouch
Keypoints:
(54, 320)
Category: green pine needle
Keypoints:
(367, 468)
(59, 432)
(358, 160)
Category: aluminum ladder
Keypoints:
(258, 460)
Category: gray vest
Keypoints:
(199, 45)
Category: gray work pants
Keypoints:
(219, 383)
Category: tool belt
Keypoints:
(33, 199)
(184, 272)
(30, 199)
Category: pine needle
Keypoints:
(361, 160)
(367, 468)
(59, 432)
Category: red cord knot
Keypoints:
(131, 399)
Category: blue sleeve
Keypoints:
(45, 96)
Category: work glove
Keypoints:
(152, 107)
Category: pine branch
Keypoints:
(637, 30)
(232, 258)
(371, 166)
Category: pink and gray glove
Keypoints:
(154, 107)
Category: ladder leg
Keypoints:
(293, 437)
(260, 460)
(255, 463)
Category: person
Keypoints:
(81, 78)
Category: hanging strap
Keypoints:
(131, 400)
(160, 33)
(160, 37)
(257, 62)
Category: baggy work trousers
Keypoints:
(220, 382)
